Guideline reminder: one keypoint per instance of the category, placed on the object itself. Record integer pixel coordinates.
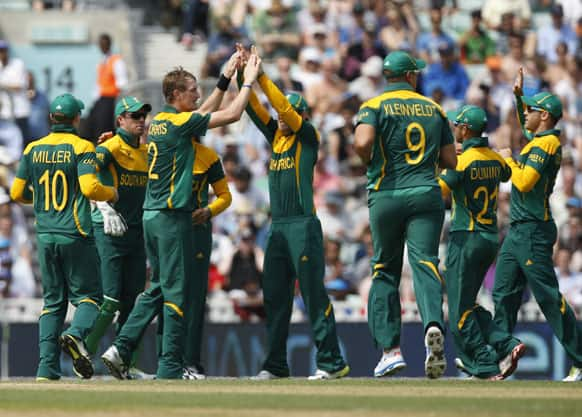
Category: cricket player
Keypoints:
(403, 137)
(294, 248)
(483, 349)
(168, 209)
(526, 253)
(122, 163)
(61, 170)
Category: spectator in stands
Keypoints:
(475, 43)
(511, 62)
(428, 43)
(324, 179)
(195, 25)
(38, 121)
(14, 104)
(401, 29)
(371, 83)
(276, 31)
(220, 46)
(15, 254)
(286, 82)
(318, 38)
(448, 75)
(550, 36)
(316, 13)
(560, 71)
(359, 52)
(10, 138)
(245, 275)
(359, 270)
(350, 25)
(335, 280)
(336, 223)
(326, 95)
(309, 63)
(112, 79)
(493, 10)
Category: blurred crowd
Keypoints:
(332, 52)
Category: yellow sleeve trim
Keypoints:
(258, 108)
(280, 103)
(94, 190)
(524, 179)
(223, 197)
(17, 191)
(445, 190)
(177, 119)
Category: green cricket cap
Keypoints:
(66, 106)
(547, 102)
(472, 116)
(130, 104)
(298, 102)
(399, 63)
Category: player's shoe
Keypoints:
(435, 362)
(264, 375)
(575, 375)
(320, 374)
(390, 363)
(508, 364)
(191, 372)
(112, 360)
(75, 348)
(136, 373)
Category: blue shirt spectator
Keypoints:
(448, 75)
(38, 122)
(427, 44)
(550, 36)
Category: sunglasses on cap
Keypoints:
(136, 115)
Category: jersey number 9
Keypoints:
(419, 147)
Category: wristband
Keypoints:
(247, 85)
(223, 83)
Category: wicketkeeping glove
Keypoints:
(113, 223)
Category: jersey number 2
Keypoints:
(153, 149)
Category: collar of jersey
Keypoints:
(555, 132)
(479, 142)
(399, 86)
(127, 138)
(62, 128)
(169, 109)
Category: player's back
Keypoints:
(171, 157)
(479, 170)
(410, 131)
(55, 163)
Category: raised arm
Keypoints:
(259, 114)
(280, 103)
(518, 93)
(212, 103)
(234, 111)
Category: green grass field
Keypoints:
(290, 398)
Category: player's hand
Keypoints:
(252, 69)
(113, 223)
(104, 136)
(518, 86)
(201, 215)
(232, 64)
(505, 153)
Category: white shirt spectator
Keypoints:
(10, 139)
(493, 10)
(13, 102)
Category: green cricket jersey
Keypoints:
(291, 166)
(207, 170)
(544, 154)
(171, 157)
(410, 131)
(474, 184)
(54, 165)
(122, 163)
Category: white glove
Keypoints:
(113, 223)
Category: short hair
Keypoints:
(175, 80)
(59, 118)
